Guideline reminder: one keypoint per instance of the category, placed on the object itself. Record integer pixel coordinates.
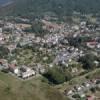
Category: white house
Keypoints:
(27, 74)
(70, 92)
(98, 46)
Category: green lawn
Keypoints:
(15, 89)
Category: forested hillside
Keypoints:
(59, 7)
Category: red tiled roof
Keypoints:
(13, 66)
(90, 98)
(92, 43)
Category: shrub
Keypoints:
(55, 76)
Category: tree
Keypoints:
(55, 76)
(37, 28)
(88, 61)
(31, 8)
(93, 90)
(3, 52)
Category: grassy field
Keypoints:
(34, 89)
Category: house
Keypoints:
(98, 46)
(75, 27)
(87, 85)
(14, 69)
(11, 47)
(78, 88)
(83, 23)
(96, 63)
(51, 65)
(42, 70)
(1, 37)
(90, 98)
(26, 72)
(91, 44)
(9, 26)
(70, 92)
(74, 70)
(82, 95)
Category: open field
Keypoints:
(15, 89)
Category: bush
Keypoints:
(55, 76)
(68, 75)
(93, 90)
(37, 28)
(88, 61)
(3, 52)
(5, 70)
(76, 96)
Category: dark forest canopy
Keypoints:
(58, 7)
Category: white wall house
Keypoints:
(16, 71)
(27, 74)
